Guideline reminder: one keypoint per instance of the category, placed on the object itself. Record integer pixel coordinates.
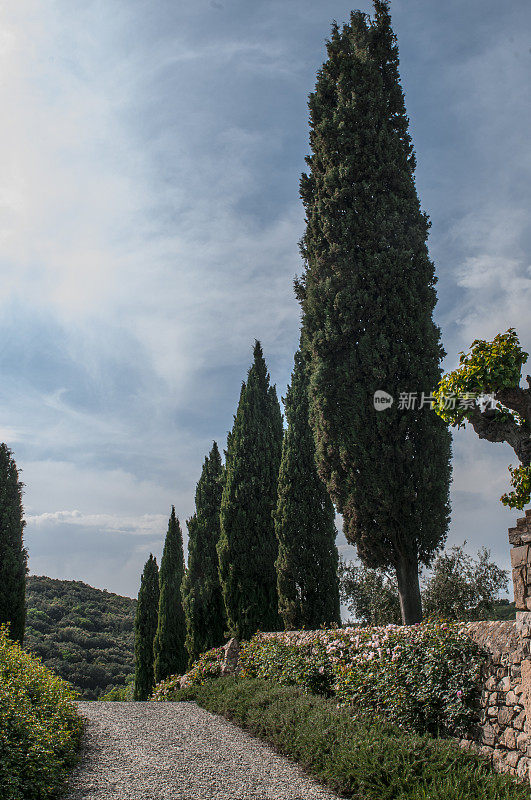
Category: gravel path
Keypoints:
(178, 751)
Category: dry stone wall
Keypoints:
(503, 731)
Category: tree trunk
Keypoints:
(407, 573)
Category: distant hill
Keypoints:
(85, 635)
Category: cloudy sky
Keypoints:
(149, 219)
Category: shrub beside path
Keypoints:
(178, 751)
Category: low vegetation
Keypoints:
(424, 677)
(358, 758)
(83, 634)
(39, 726)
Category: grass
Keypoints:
(364, 760)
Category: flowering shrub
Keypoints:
(298, 664)
(423, 677)
(207, 667)
(39, 725)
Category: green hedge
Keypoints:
(423, 677)
(39, 726)
(356, 757)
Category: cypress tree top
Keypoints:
(145, 629)
(307, 563)
(367, 297)
(170, 653)
(247, 547)
(202, 598)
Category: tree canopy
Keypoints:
(145, 629)
(13, 555)
(202, 597)
(493, 368)
(367, 296)
(247, 547)
(170, 653)
(308, 586)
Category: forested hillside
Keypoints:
(83, 634)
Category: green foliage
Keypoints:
(502, 610)
(367, 296)
(493, 368)
(169, 648)
(146, 620)
(307, 582)
(425, 677)
(202, 597)
(487, 369)
(121, 693)
(521, 482)
(370, 594)
(247, 547)
(306, 665)
(206, 668)
(39, 726)
(463, 588)
(458, 587)
(83, 634)
(13, 556)
(358, 758)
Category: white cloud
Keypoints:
(147, 524)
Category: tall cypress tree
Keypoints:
(202, 597)
(145, 629)
(247, 547)
(367, 297)
(171, 657)
(307, 563)
(13, 556)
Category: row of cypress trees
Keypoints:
(277, 556)
(160, 626)
(261, 550)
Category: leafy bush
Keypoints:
(39, 725)
(120, 693)
(207, 667)
(423, 677)
(356, 757)
(305, 665)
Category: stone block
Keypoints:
(505, 684)
(512, 759)
(231, 653)
(521, 742)
(509, 738)
(486, 752)
(523, 623)
(526, 686)
(520, 556)
(505, 715)
(490, 683)
(519, 721)
(511, 699)
(488, 735)
(522, 769)
(519, 589)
